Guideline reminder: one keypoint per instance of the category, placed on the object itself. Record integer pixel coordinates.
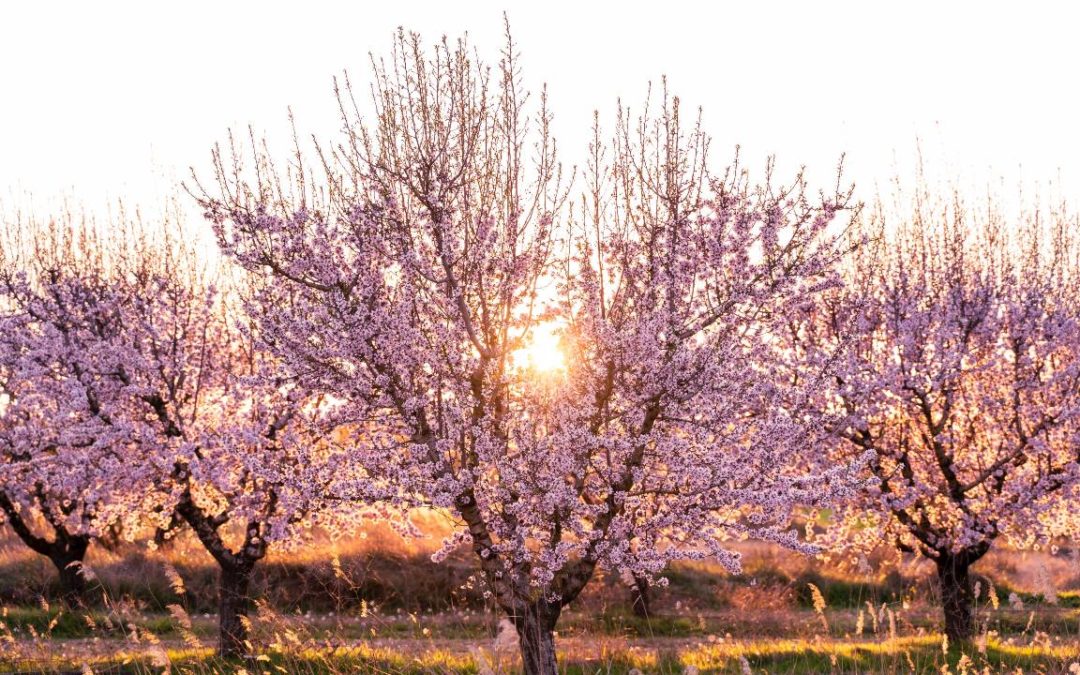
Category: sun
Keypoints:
(543, 353)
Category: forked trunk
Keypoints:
(235, 573)
(66, 551)
(954, 579)
(535, 625)
(233, 609)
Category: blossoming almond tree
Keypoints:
(236, 448)
(410, 284)
(134, 395)
(64, 441)
(961, 376)
(262, 477)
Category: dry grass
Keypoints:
(377, 604)
(297, 653)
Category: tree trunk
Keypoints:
(64, 550)
(535, 626)
(233, 609)
(639, 596)
(72, 581)
(956, 597)
(67, 554)
(235, 572)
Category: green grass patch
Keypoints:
(60, 623)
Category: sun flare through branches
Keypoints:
(543, 351)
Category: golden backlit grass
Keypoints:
(465, 643)
(903, 654)
(762, 620)
(898, 655)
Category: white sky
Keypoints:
(106, 100)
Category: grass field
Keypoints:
(378, 605)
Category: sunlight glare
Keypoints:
(543, 352)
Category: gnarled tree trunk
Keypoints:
(235, 572)
(535, 623)
(233, 601)
(67, 556)
(534, 618)
(954, 580)
(66, 551)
